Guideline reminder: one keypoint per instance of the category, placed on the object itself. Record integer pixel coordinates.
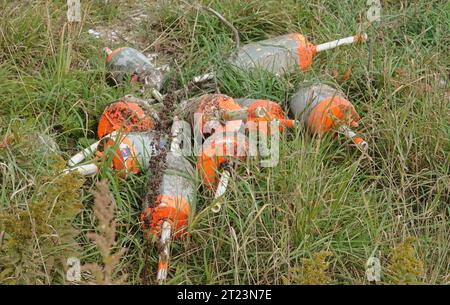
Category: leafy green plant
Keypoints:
(405, 267)
(312, 271)
(38, 219)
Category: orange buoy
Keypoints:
(125, 116)
(282, 53)
(324, 109)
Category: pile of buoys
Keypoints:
(127, 128)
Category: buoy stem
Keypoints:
(343, 41)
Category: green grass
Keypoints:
(321, 197)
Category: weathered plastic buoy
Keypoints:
(132, 151)
(124, 63)
(169, 215)
(217, 150)
(258, 110)
(324, 109)
(281, 54)
(127, 115)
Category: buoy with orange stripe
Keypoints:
(127, 114)
(169, 215)
(325, 109)
(128, 63)
(219, 154)
(224, 140)
(210, 108)
(222, 137)
(218, 150)
(281, 54)
(132, 151)
(259, 110)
